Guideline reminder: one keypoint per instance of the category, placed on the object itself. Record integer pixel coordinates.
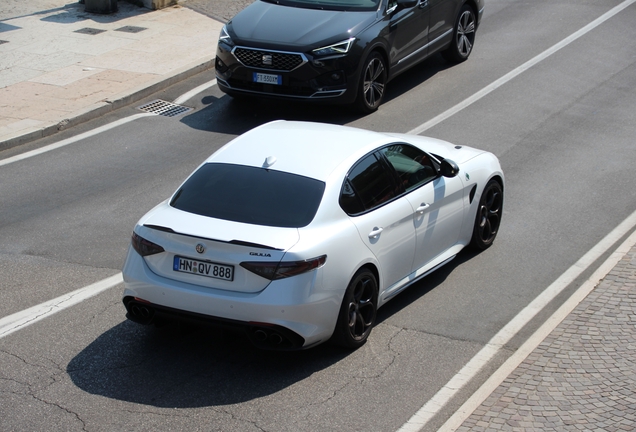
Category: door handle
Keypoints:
(423, 4)
(375, 233)
(422, 208)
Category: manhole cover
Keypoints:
(89, 31)
(164, 108)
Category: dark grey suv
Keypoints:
(338, 51)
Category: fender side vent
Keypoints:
(161, 107)
(471, 196)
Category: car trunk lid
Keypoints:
(207, 252)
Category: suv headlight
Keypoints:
(338, 48)
(225, 37)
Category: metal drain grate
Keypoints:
(131, 29)
(164, 108)
(89, 31)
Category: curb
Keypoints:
(112, 103)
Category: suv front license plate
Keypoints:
(203, 268)
(267, 78)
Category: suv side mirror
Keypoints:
(448, 168)
(403, 4)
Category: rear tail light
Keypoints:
(145, 247)
(285, 269)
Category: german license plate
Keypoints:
(203, 268)
(268, 78)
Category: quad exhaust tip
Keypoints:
(268, 338)
(140, 313)
(260, 334)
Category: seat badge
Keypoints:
(200, 248)
(267, 59)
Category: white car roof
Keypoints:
(310, 149)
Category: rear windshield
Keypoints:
(250, 195)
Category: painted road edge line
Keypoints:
(470, 370)
(195, 91)
(537, 338)
(446, 393)
(19, 320)
(520, 69)
(74, 139)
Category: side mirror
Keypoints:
(448, 168)
(403, 4)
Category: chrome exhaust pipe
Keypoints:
(260, 335)
(140, 313)
(275, 339)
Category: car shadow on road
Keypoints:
(235, 116)
(177, 367)
(422, 287)
(238, 115)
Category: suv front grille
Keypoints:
(271, 60)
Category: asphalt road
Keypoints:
(563, 130)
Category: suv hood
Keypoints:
(267, 25)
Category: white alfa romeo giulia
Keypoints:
(297, 232)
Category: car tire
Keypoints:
(488, 218)
(372, 83)
(358, 311)
(463, 36)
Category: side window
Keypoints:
(413, 166)
(368, 185)
(349, 201)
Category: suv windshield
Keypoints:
(338, 5)
(250, 195)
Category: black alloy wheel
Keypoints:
(358, 311)
(463, 36)
(372, 83)
(488, 216)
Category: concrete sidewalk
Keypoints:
(582, 376)
(61, 66)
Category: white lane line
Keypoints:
(72, 140)
(181, 99)
(186, 96)
(17, 321)
(470, 370)
(526, 349)
(22, 319)
(519, 70)
(421, 418)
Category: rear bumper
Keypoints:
(263, 336)
(295, 309)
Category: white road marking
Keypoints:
(519, 70)
(186, 96)
(180, 100)
(72, 140)
(20, 320)
(425, 414)
(472, 368)
(468, 372)
(526, 349)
